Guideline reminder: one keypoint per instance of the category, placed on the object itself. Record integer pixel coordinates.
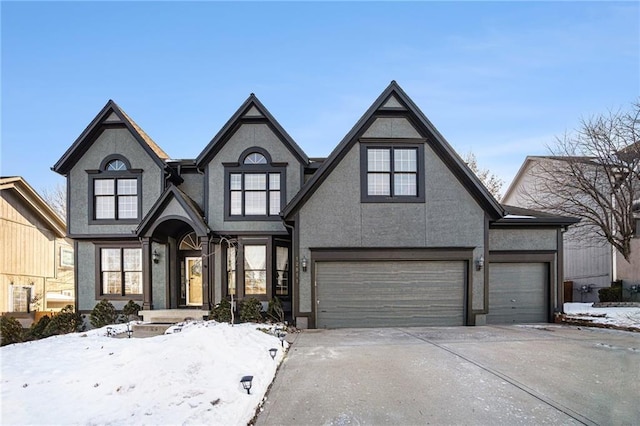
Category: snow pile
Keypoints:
(187, 377)
(622, 317)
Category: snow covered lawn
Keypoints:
(621, 317)
(191, 377)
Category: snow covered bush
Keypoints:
(37, 329)
(66, 321)
(130, 310)
(222, 311)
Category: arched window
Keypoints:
(255, 187)
(190, 242)
(115, 190)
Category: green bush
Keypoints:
(37, 329)
(251, 310)
(104, 313)
(66, 321)
(131, 309)
(10, 331)
(222, 311)
(275, 312)
(611, 294)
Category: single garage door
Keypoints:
(518, 293)
(390, 294)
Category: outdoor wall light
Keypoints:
(480, 263)
(246, 383)
(273, 352)
(155, 256)
(303, 262)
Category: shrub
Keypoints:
(66, 321)
(222, 311)
(611, 294)
(251, 310)
(131, 309)
(37, 329)
(104, 313)
(10, 331)
(275, 311)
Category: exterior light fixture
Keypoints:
(303, 263)
(246, 383)
(155, 256)
(480, 263)
(273, 352)
(110, 331)
(281, 336)
(129, 330)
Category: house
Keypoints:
(36, 264)
(590, 262)
(392, 229)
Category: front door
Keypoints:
(193, 275)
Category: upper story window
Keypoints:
(392, 173)
(115, 191)
(255, 187)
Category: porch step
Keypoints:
(172, 315)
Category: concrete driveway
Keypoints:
(458, 375)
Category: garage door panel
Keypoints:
(518, 293)
(383, 293)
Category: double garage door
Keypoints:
(390, 293)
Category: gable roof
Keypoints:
(194, 214)
(251, 111)
(111, 115)
(35, 202)
(393, 100)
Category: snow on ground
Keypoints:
(191, 377)
(623, 317)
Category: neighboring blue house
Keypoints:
(392, 229)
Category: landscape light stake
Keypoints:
(109, 331)
(273, 352)
(129, 330)
(281, 336)
(246, 383)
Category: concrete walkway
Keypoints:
(547, 374)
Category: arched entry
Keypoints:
(190, 257)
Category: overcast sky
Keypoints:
(501, 79)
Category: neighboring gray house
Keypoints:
(392, 229)
(590, 263)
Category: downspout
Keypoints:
(294, 270)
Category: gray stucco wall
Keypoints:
(247, 136)
(523, 239)
(111, 141)
(193, 186)
(335, 217)
(159, 277)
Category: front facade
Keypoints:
(36, 264)
(391, 229)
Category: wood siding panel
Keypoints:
(387, 294)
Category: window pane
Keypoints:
(127, 186)
(231, 270)
(255, 257)
(133, 283)
(105, 207)
(405, 184)
(116, 165)
(274, 181)
(235, 181)
(282, 271)
(132, 259)
(405, 160)
(378, 184)
(111, 283)
(255, 282)
(274, 203)
(20, 299)
(255, 158)
(103, 187)
(110, 259)
(128, 207)
(236, 202)
(255, 182)
(255, 203)
(378, 160)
